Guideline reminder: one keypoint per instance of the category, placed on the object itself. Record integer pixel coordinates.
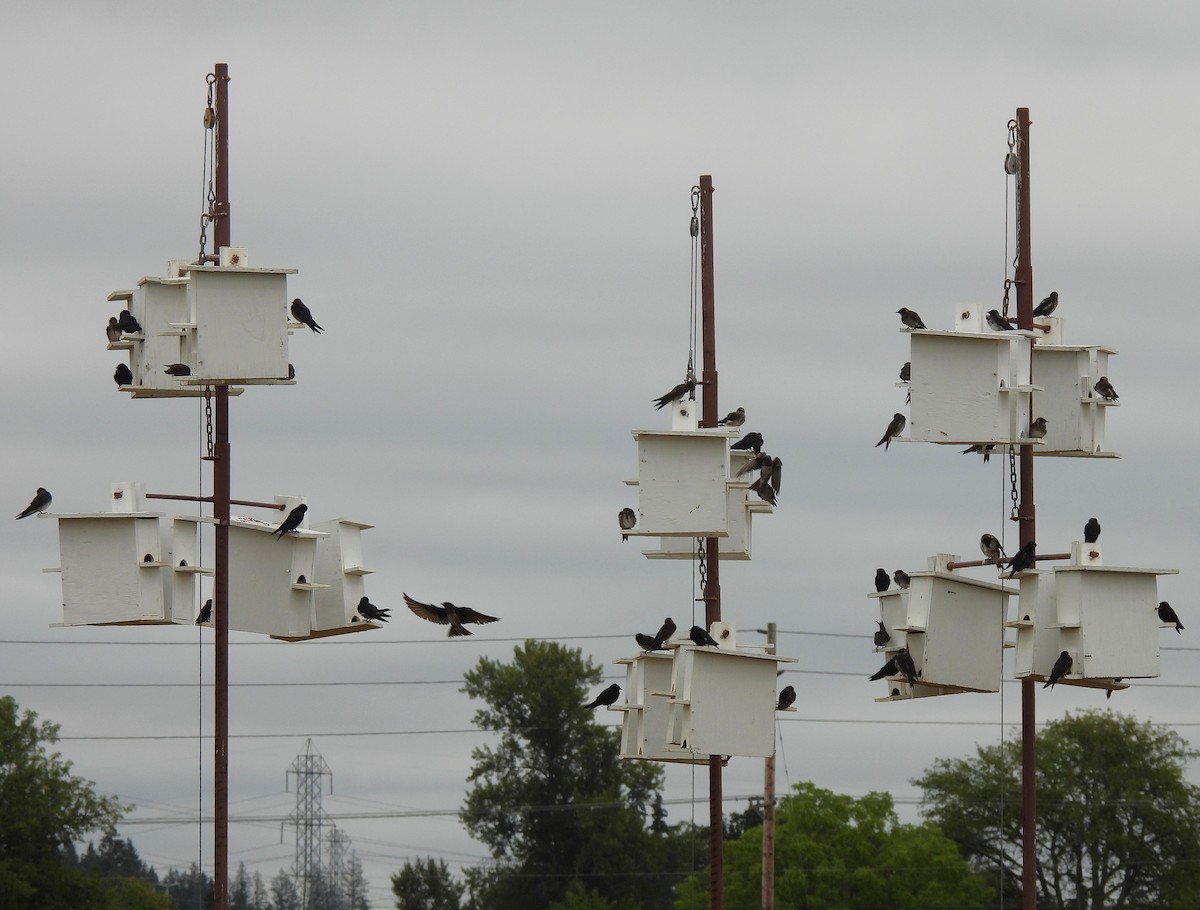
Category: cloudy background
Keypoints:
(488, 208)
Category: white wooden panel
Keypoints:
(339, 565)
(646, 725)
(240, 317)
(103, 577)
(682, 483)
(1075, 415)
(265, 593)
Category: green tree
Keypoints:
(190, 889)
(835, 852)
(43, 808)
(426, 885)
(552, 799)
(284, 893)
(355, 885)
(1118, 825)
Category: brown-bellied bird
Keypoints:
(882, 636)
(1038, 429)
(787, 698)
(1047, 306)
(680, 392)
(1105, 389)
(301, 313)
(205, 613)
(626, 518)
(113, 330)
(895, 428)
(449, 614)
(292, 522)
(1061, 668)
(764, 490)
(733, 418)
(608, 697)
(39, 503)
(368, 610)
(882, 580)
(1167, 614)
(1091, 531)
(752, 442)
(902, 579)
(700, 638)
(770, 470)
(910, 319)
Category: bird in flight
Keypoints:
(449, 614)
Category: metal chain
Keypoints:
(1012, 479)
(702, 566)
(208, 421)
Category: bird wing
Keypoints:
(646, 642)
(466, 614)
(776, 474)
(430, 612)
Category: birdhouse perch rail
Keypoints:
(1041, 557)
(237, 502)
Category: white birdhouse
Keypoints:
(970, 387)
(953, 627)
(1075, 414)
(646, 725)
(272, 578)
(339, 566)
(1105, 617)
(117, 567)
(723, 699)
(741, 505)
(237, 326)
(682, 483)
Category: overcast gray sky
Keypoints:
(488, 206)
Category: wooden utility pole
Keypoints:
(768, 838)
(712, 587)
(1027, 525)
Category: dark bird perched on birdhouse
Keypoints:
(888, 669)
(910, 319)
(1023, 559)
(906, 667)
(680, 392)
(123, 375)
(895, 428)
(1061, 668)
(750, 442)
(368, 610)
(39, 503)
(701, 638)
(882, 636)
(906, 371)
(302, 314)
(627, 519)
(1091, 531)
(177, 369)
(1047, 306)
(205, 613)
(787, 698)
(128, 324)
(449, 614)
(1105, 389)
(1167, 614)
(882, 580)
(292, 522)
(608, 697)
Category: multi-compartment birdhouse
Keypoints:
(970, 386)
(128, 566)
(722, 700)
(953, 628)
(1105, 617)
(1075, 413)
(645, 728)
(340, 566)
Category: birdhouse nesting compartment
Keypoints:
(646, 724)
(1075, 413)
(339, 567)
(682, 483)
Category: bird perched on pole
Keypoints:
(608, 697)
(989, 545)
(302, 314)
(449, 614)
(895, 428)
(292, 522)
(39, 503)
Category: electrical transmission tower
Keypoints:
(308, 818)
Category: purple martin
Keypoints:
(626, 518)
(113, 330)
(1167, 614)
(998, 322)
(292, 522)
(665, 631)
(177, 369)
(888, 669)
(39, 503)
(882, 580)
(645, 642)
(989, 545)
(733, 418)
(1091, 531)
(764, 490)
(700, 638)
(123, 375)
(770, 471)
(975, 450)
(368, 610)
(1061, 668)
(302, 314)
(205, 613)
(902, 579)
(1105, 389)
(680, 392)
(895, 428)
(906, 371)
(608, 697)
(1108, 692)
(449, 614)
(883, 636)
(906, 667)
(750, 442)
(1047, 306)
(1037, 429)
(787, 698)
(910, 318)
(1023, 560)
(128, 324)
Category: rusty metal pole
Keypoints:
(712, 588)
(221, 491)
(1026, 520)
(768, 838)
